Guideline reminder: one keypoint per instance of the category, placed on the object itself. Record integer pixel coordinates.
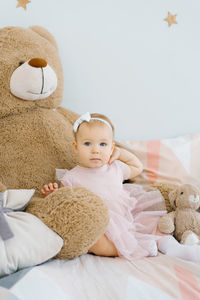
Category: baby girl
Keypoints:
(102, 168)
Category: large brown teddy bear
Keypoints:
(36, 136)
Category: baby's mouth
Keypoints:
(95, 159)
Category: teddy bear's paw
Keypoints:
(189, 238)
(77, 215)
(166, 225)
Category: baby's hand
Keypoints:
(115, 155)
(49, 188)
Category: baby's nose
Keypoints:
(95, 149)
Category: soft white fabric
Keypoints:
(32, 243)
(60, 173)
(87, 118)
(90, 277)
(16, 199)
(170, 246)
(37, 285)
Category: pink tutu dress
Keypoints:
(132, 227)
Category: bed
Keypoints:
(92, 277)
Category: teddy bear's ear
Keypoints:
(172, 197)
(45, 34)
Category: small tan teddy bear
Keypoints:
(184, 221)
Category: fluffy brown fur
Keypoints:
(71, 217)
(165, 189)
(36, 138)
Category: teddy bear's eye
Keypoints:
(181, 193)
(21, 63)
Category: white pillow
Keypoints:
(29, 242)
(173, 160)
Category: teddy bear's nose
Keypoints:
(37, 63)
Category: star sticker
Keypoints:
(22, 3)
(171, 19)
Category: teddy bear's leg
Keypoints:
(79, 216)
(166, 223)
(189, 238)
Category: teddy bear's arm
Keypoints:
(68, 114)
(166, 223)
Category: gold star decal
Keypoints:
(22, 3)
(171, 19)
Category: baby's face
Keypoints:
(94, 145)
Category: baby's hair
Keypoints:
(100, 116)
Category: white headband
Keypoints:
(87, 118)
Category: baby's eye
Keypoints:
(103, 144)
(87, 143)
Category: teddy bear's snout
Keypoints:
(194, 198)
(35, 79)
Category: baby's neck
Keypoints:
(88, 167)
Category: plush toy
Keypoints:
(36, 136)
(184, 221)
(165, 188)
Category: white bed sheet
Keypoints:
(90, 277)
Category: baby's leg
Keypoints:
(170, 246)
(103, 247)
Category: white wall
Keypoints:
(120, 58)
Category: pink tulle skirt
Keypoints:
(133, 222)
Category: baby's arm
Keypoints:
(128, 158)
(49, 188)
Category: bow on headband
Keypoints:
(87, 118)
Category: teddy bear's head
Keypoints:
(31, 76)
(185, 196)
